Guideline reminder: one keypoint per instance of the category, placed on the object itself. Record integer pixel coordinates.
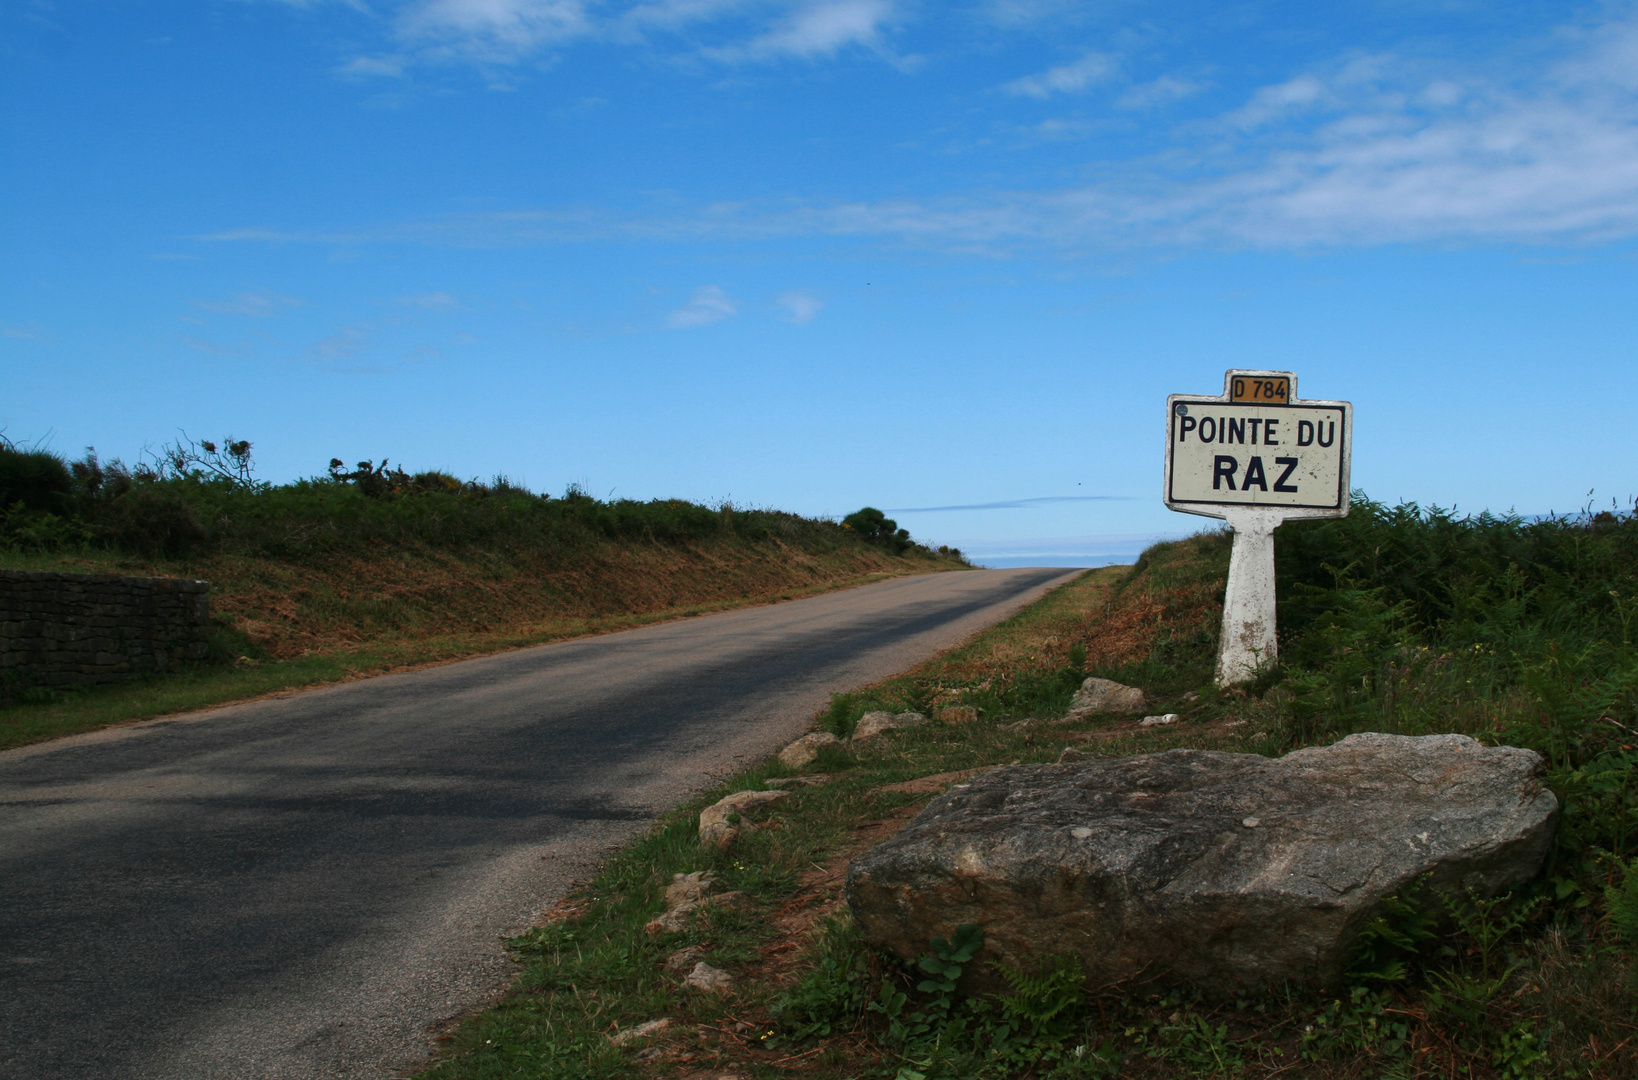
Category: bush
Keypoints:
(36, 479)
(875, 527)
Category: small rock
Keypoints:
(674, 921)
(1106, 695)
(687, 888)
(804, 750)
(1257, 736)
(684, 959)
(797, 781)
(872, 724)
(709, 979)
(1191, 697)
(957, 714)
(641, 1031)
(716, 828)
(1158, 721)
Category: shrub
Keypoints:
(38, 479)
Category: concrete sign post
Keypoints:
(1255, 456)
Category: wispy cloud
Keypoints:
(1371, 150)
(256, 304)
(819, 29)
(1157, 93)
(1068, 79)
(497, 31)
(1010, 504)
(24, 333)
(798, 307)
(501, 34)
(708, 305)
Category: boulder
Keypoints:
(719, 821)
(1200, 868)
(1108, 696)
(872, 724)
(804, 750)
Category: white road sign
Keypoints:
(1258, 445)
(1255, 456)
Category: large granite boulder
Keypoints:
(1222, 871)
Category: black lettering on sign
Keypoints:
(1324, 439)
(1268, 432)
(1305, 433)
(1290, 464)
(1208, 430)
(1185, 426)
(1254, 475)
(1223, 469)
(1255, 424)
(1236, 431)
(1239, 389)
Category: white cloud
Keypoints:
(819, 29)
(1273, 103)
(390, 67)
(708, 305)
(798, 307)
(1068, 79)
(1162, 91)
(498, 31)
(1369, 150)
(346, 343)
(257, 304)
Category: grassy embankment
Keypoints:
(1393, 620)
(369, 571)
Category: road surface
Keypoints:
(304, 886)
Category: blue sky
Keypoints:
(944, 259)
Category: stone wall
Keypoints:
(86, 629)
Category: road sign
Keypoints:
(1258, 445)
(1255, 456)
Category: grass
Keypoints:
(1397, 619)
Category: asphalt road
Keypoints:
(304, 886)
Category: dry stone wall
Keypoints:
(86, 629)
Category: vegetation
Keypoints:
(368, 568)
(1395, 619)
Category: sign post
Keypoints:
(1255, 456)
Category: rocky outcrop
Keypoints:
(1107, 696)
(872, 724)
(1223, 871)
(806, 749)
